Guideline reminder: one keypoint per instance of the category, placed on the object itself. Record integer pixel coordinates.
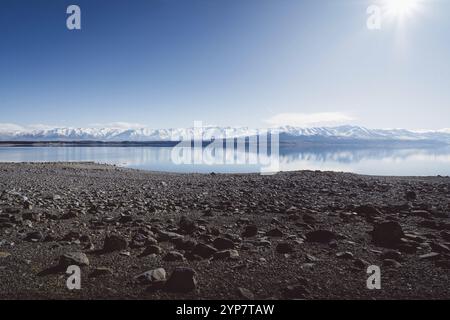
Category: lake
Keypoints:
(372, 161)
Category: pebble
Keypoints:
(152, 276)
(246, 294)
(73, 258)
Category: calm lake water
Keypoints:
(373, 161)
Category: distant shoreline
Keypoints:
(283, 143)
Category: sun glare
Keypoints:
(401, 8)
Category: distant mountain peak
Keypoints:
(148, 134)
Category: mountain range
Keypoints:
(287, 133)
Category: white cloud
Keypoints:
(10, 127)
(308, 119)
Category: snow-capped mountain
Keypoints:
(207, 133)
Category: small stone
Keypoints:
(173, 256)
(204, 250)
(73, 258)
(361, 263)
(187, 225)
(410, 195)
(152, 276)
(226, 254)
(185, 244)
(284, 247)
(169, 236)
(445, 235)
(182, 279)
(35, 236)
(421, 213)
(321, 236)
(311, 258)
(391, 263)
(246, 294)
(444, 264)
(114, 243)
(4, 254)
(429, 256)
(151, 250)
(276, 233)
(101, 271)
(392, 254)
(250, 231)
(344, 255)
(223, 244)
(439, 247)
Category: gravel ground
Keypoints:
(297, 235)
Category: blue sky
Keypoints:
(166, 63)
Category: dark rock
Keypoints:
(223, 244)
(187, 225)
(173, 256)
(276, 233)
(35, 236)
(307, 218)
(361, 263)
(407, 248)
(444, 264)
(250, 231)
(410, 195)
(430, 224)
(284, 247)
(169, 236)
(101, 271)
(392, 254)
(321, 236)
(114, 243)
(204, 250)
(185, 244)
(182, 279)
(151, 250)
(387, 234)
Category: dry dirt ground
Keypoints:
(297, 235)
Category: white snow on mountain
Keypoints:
(16, 133)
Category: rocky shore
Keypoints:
(146, 235)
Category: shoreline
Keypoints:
(293, 235)
(118, 166)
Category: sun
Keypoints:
(401, 8)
